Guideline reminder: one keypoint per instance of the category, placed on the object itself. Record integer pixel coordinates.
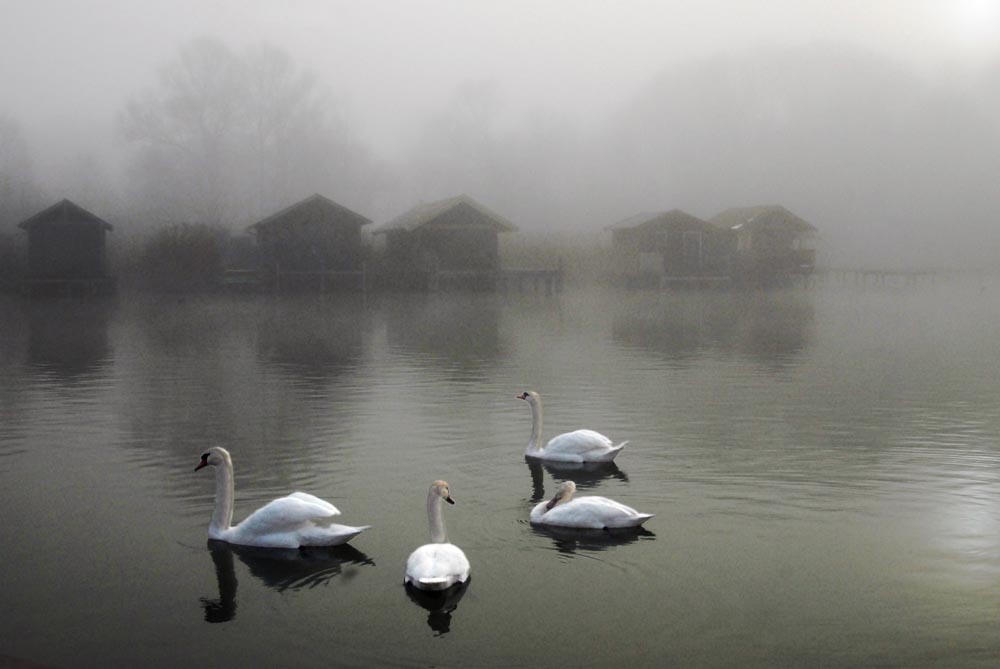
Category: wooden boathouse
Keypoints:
(313, 245)
(67, 252)
(443, 244)
(769, 242)
(653, 248)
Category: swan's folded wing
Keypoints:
(578, 441)
(604, 508)
(287, 513)
(593, 512)
(312, 499)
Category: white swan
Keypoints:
(585, 512)
(439, 564)
(577, 446)
(297, 520)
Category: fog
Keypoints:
(877, 122)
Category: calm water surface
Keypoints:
(824, 464)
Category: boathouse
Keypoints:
(768, 241)
(453, 241)
(67, 252)
(651, 247)
(315, 244)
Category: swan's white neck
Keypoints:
(222, 516)
(435, 519)
(535, 442)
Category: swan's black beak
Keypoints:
(449, 499)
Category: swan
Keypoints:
(577, 446)
(439, 564)
(294, 521)
(585, 512)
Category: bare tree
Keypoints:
(188, 128)
(226, 137)
(299, 136)
(19, 195)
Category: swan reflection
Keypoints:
(584, 474)
(569, 540)
(222, 609)
(440, 604)
(278, 568)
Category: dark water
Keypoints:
(824, 464)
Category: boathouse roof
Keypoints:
(64, 211)
(315, 208)
(435, 212)
(760, 217)
(672, 218)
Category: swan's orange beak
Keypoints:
(203, 463)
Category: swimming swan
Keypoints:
(297, 520)
(585, 512)
(578, 446)
(439, 564)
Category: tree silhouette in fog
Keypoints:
(227, 136)
(19, 195)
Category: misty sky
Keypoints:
(68, 68)
(393, 60)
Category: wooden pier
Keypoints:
(881, 277)
(695, 281)
(251, 280)
(547, 281)
(69, 287)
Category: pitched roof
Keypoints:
(64, 211)
(674, 217)
(318, 201)
(423, 214)
(763, 216)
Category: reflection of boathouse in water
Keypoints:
(308, 341)
(769, 326)
(69, 340)
(464, 330)
(67, 252)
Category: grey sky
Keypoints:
(67, 63)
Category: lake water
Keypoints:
(823, 463)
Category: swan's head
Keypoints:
(214, 456)
(529, 396)
(440, 488)
(563, 494)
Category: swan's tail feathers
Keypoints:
(329, 535)
(612, 453)
(355, 531)
(643, 517)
